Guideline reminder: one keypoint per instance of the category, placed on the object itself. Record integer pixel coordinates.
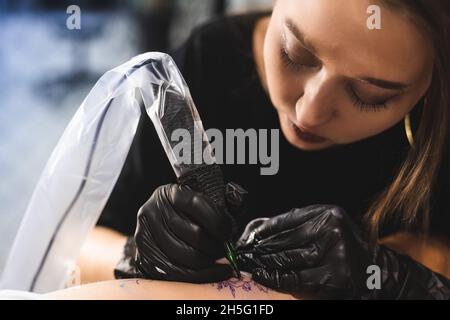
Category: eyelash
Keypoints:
(290, 64)
(364, 106)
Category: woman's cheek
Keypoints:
(364, 124)
(282, 86)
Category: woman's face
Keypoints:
(328, 74)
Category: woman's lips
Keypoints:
(306, 136)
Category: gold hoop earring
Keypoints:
(408, 130)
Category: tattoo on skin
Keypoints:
(233, 284)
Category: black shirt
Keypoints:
(218, 65)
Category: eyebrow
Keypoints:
(299, 35)
(391, 85)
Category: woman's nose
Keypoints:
(316, 106)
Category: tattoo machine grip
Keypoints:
(208, 179)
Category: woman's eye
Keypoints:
(290, 63)
(366, 106)
(295, 66)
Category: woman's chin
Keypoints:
(305, 146)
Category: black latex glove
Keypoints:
(179, 235)
(317, 251)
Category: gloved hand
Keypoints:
(179, 235)
(318, 251)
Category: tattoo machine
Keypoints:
(176, 118)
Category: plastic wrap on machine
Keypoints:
(83, 169)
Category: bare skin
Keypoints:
(434, 253)
(100, 254)
(317, 91)
(161, 290)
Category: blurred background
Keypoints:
(46, 70)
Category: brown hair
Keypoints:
(408, 199)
